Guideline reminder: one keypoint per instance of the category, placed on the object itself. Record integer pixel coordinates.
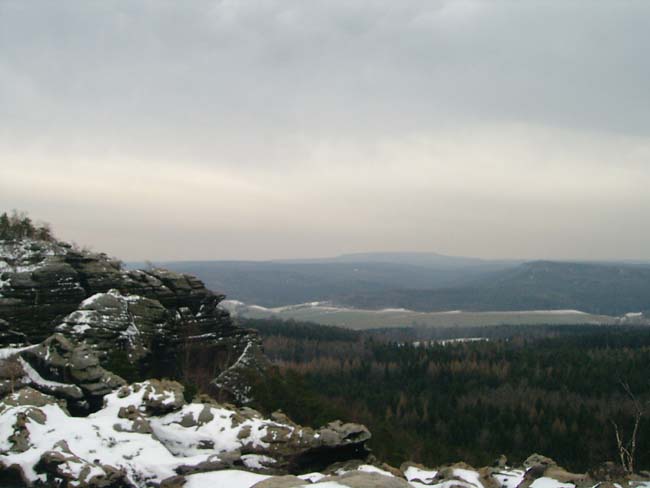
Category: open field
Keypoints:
(360, 319)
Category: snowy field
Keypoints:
(326, 314)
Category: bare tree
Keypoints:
(627, 449)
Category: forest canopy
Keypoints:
(551, 389)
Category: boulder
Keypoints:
(173, 482)
(156, 397)
(139, 423)
(538, 459)
(30, 396)
(418, 473)
(287, 481)
(564, 476)
(62, 466)
(238, 378)
(112, 321)
(354, 479)
(608, 471)
(69, 370)
(358, 479)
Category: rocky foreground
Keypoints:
(146, 434)
(75, 324)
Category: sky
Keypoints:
(259, 129)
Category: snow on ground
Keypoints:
(511, 478)
(229, 478)
(312, 477)
(545, 482)
(7, 352)
(218, 431)
(105, 436)
(368, 468)
(89, 438)
(414, 473)
(38, 380)
(26, 255)
(468, 475)
(257, 461)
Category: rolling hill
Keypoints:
(430, 282)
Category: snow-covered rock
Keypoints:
(112, 320)
(68, 370)
(145, 433)
(140, 321)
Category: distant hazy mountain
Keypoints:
(599, 288)
(286, 282)
(431, 282)
(424, 259)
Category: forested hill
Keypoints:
(608, 289)
(279, 283)
(549, 389)
(431, 283)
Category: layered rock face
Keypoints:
(42, 281)
(145, 323)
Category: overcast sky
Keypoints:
(267, 129)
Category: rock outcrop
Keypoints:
(147, 433)
(42, 281)
(139, 323)
(107, 321)
(61, 368)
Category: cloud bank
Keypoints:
(261, 129)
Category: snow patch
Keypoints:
(257, 461)
(7, 352)
(426, 476)
(37, 379)
(510, 479)
(545, 482)
(229, 478)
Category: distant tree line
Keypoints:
(18, 225)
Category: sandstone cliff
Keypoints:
(143, 322)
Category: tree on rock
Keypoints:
(627, 449)
(18, 225)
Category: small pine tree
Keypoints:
(18, 225)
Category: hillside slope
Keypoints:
(287, 282)
(608, 289)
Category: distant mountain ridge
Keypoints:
(431, 282)
(287, 282)
(423, 259)
(609, 289)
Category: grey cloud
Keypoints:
(269, 114)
